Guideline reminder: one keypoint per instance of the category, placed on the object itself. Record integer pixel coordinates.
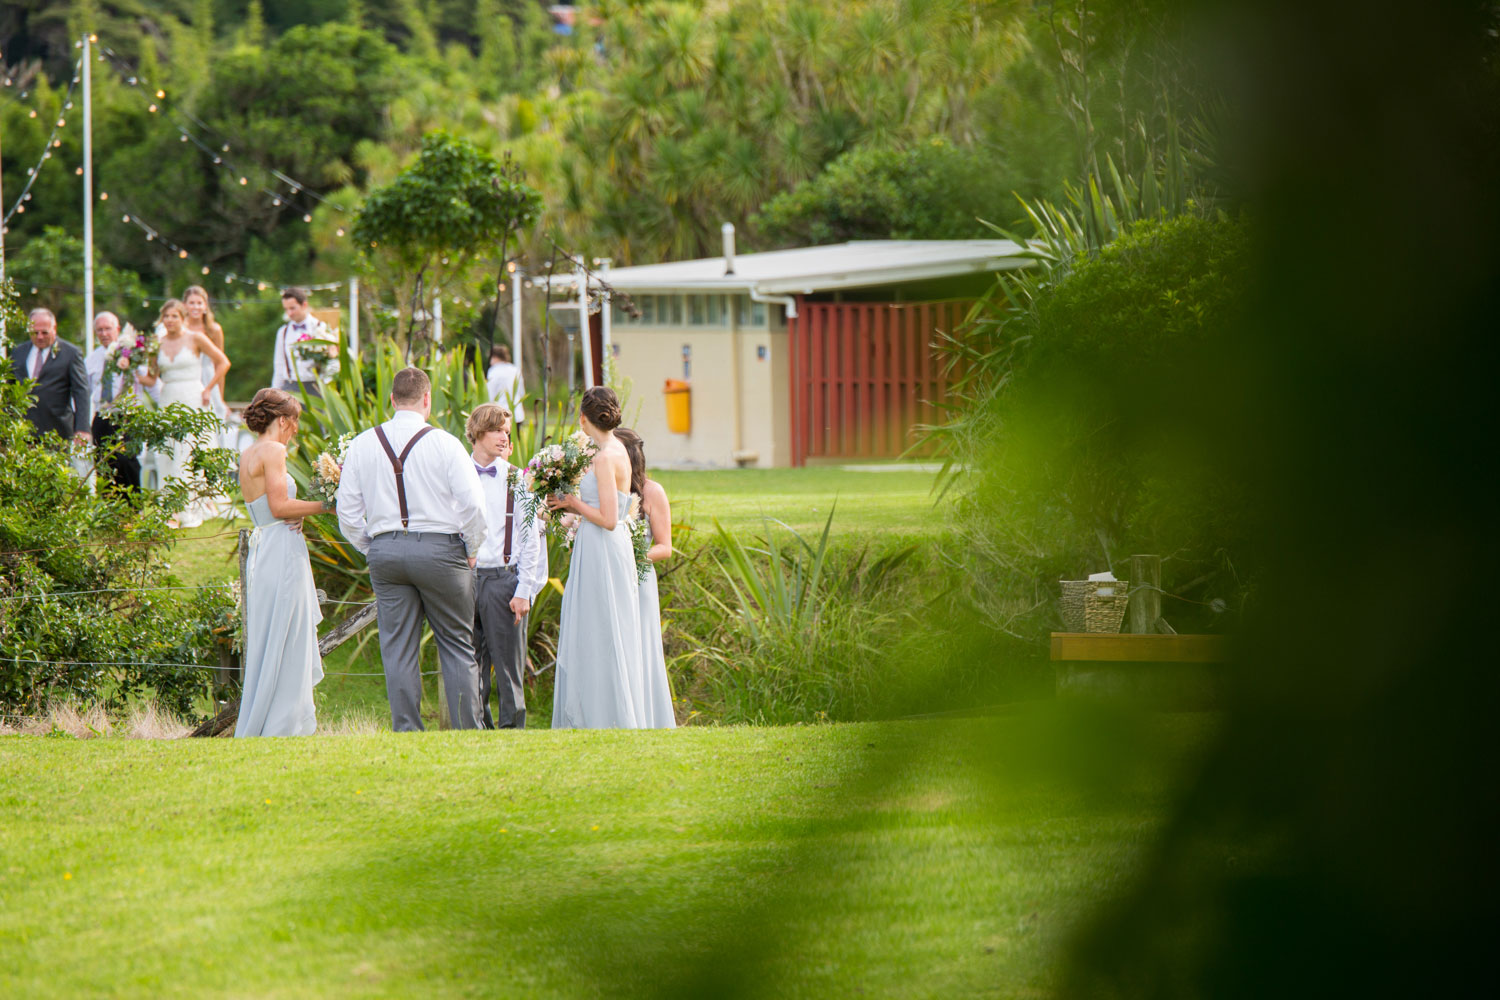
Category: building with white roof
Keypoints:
(788, 356)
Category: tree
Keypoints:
(455, 206)
(932, 190)
(52, 263)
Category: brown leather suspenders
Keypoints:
(399, 463)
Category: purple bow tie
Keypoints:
(486, 470)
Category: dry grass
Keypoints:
(356, 722)
(146, 720)
(142, 721)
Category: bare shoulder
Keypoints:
(653, 493)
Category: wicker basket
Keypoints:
(1094, 605)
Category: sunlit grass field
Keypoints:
(940, 858)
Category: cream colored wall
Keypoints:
(650, 355)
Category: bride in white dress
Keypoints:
(282, 663)
(600, 681)
(180, 370)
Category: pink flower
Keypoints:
(123, 363)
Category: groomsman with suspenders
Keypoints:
(409, 499)
(512, 570)
(290, 373)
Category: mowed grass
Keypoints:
(935, 858)
(898, 499)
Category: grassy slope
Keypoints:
(899, 500)
(940, 858)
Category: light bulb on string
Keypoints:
(260, 286)
(244, 181)
(276, 202)
(150, 237)
(79, 171)
(68, 106)
(131, 81)
(182, 138)
(307, 218)
(161, 94)
(104, 196)
(124, 218)
(56, 143)
(218, 160)
(151, 108)
(205, 270)
(224, 148)
(61, 122)
(182, 254)
(33, 113)
(340, 231)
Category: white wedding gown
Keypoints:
(600, 680)
(182, 382)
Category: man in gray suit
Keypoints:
(410, 501)
(60, 397)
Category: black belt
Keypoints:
(495, 570)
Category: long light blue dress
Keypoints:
(282, 663)
(600, 683)
(659, 714)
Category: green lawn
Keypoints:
(937, 858)
(898, 499)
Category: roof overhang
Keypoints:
(810, 270)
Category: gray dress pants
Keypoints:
(418, 575)
(501, 642)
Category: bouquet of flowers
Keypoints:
(555, 472)
(314, 349)
(640, 537)
(327, 469)
(128, 351)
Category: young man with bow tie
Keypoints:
(290, 373)
(510, 572)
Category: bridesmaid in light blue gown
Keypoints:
(282, 663)
(600, 683)
(658, 515)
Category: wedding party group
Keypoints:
(179, 359)
(455, 536)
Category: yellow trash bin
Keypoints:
(679, 398)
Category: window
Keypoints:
(676, 301)
(619, 316)
(695, 310)
(757, 314)
(716, 315)
(648, 308)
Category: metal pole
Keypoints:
(515, 319)
(605, 309)
(583, 329)
(354, 318)
(88, 195)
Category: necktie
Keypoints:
(41, 359)
(485, 470)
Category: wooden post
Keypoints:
(1145, 594)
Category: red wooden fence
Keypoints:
(865, 374)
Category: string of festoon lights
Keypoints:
(157, 101)
(154, 235)
(53, 142)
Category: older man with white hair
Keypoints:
(60, 396)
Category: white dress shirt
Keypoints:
(287, 366)
(442, 490)
(93, 363)
(504, 381)
(528, 549)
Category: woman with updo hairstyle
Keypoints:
(282, 662)
(658, 514)
(600, 679)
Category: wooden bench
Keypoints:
(1170, 671)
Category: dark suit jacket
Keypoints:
(60, 398)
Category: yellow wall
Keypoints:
(649, 355)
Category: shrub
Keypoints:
(1067, 483)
